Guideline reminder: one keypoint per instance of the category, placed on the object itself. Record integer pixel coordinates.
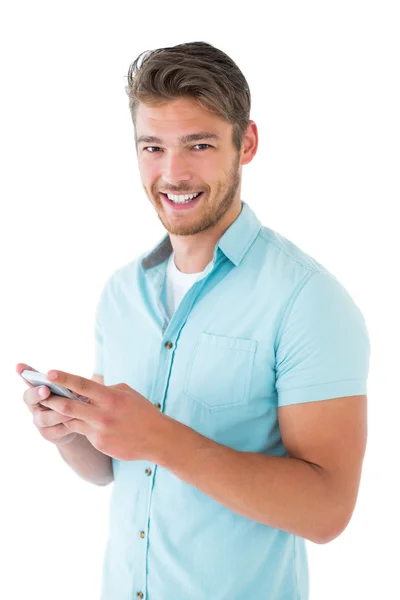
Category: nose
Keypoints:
(175, 169)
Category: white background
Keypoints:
(324, 78)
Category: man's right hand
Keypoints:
(49, 423)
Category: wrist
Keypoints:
(66, 440)
(159, 442)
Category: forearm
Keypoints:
(281, 492)
(91, 464)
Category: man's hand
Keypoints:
(118, 421)
(51, 425)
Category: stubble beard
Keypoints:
(213, 214)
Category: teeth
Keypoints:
(182, 198)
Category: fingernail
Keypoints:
(41, 392)
(52, 374)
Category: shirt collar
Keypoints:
(234, 243)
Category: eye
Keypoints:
(205, 146)
(152, 149)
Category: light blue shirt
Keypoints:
(265, 326)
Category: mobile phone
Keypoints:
(36, 379)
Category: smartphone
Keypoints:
(36, 379)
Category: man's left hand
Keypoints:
(118, 421)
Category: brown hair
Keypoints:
(197, 70)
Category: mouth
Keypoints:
(181, 201)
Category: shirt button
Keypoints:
(158, 405)
(140, 595)
(148, 471)
(142, 534)
(168, 345)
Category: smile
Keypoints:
(181, 201)
(182, 198)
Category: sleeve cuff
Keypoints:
(324, 391)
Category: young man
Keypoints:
(239, 430)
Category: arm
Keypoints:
(91, 464)
(311, 493)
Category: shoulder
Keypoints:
(280, 247)
(282, 267)
(305, 286)
(120, 283)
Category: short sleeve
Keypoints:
(322, 347)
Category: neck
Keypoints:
(194, 252)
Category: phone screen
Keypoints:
(36, 379)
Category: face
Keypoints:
(184, 150)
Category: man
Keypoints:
(229, 396)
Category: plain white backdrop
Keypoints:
(324, 79)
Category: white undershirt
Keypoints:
(177, 284)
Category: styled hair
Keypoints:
(194, 70)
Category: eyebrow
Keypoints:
(185, 139)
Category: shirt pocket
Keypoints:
(220, 370)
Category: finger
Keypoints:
(21, 367)
(34, 408)
(70, 408)
(80, 385)
(56, 434)
(78, 426)
(48, 418)
(33, 395)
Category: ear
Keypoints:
(249, 144)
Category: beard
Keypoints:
(225, 197)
